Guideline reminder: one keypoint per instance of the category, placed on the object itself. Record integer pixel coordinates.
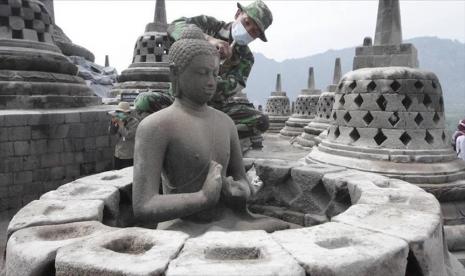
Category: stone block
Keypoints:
(72, 171)
(19, 133)
(422, 231)
(52, 212)
(15, 120)
(32, 251)
(72, 117)
(57, 118)
(102, 141)
(59, 131)
(87, 117)
(21, 148)
(22, 177)
(54, 145)
(6, 179)
(40, 131)
(77, 130)
(121, 179)
(339, 249)
(130, 251)
(7, 149)
(50, 160)
(233, 253)
(89, 143)
(38, 147)
(83, 191)
(3, 134)
(57, 173)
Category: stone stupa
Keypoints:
(316, 129)
(149, 70)
(67, 47)
(391, 121)
(277, 108)
(304, 110)
(34, 72)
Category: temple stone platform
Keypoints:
(399, 224)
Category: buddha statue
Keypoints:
(193, 152)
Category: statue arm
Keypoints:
(148, 205)
(239, 186)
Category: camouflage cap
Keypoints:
(260, 13)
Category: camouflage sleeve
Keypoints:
(209, 25)
(235, 79)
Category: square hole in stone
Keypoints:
(347, 117)
(394, 119)
(427, 100)
(40, 37)
(382, 102)
(395, 86)
(419, 85)
(342, 101)
(28, 24)
(371, 86)
(429, 138)
(17, 34)
(405, 138)
(406, 102)
(368, 118)
(337, 133)
(38, 15)
(16, 11)
(353, 85)
(4, 21)
(233, 253)
(436, 118)
(143, 58)
(418, 119)
(24, 3)
(358, 100)
(380, 137)
(150, 50)
(354, 134)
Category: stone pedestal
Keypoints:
(149, 70)
(304, 109)
(277, 108)
(404, 54)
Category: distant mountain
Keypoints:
(444, 57)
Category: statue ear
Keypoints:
(174, 75)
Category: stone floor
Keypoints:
(275, 147)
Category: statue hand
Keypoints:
(235, 190)
(211, 189)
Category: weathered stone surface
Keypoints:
(83, 191)
(121, 179)
(335, 248)
(52, 212)
(422, 231)
(234, 253)
(130, 251)
(32, 251)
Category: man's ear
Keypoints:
(239, 11)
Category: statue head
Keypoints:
(194, 64)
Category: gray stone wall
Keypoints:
(41, 150)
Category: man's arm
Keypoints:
(234, 78)
(209, 25)
(148, 205)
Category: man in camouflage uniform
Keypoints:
(231, 40)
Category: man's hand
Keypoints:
(223, 47)
(120, 123)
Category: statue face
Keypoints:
(198, 80)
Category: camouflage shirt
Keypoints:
(234, 71)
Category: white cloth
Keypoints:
(460, 147)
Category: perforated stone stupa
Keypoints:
(149, 70)
(388, 49)
(304, 110)
(63, 42)
(316, 129)
(33, 71)
(277, 108)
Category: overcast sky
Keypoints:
(300, 28)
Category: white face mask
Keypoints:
(240, 34)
